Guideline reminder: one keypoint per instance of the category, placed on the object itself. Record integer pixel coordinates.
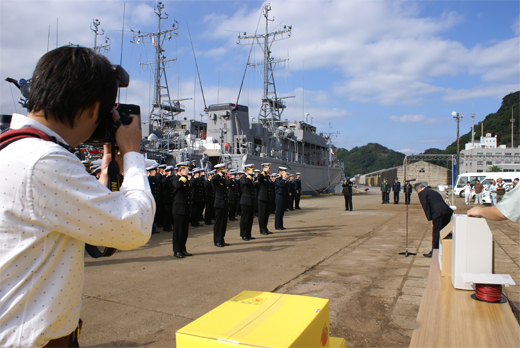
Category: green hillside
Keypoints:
(498, 123)
(368, 158)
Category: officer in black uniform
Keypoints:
(167, 202)
(298, 194)
(240, 174)
(181, 210)
(281, 192)
(155, 187)
(247, 201)
(263, 200)
(209, 211)
(287, 189)
(347, 193)
(198, 197)
(407, 189)
(203, 190)
(272, 193)
(159, 175)
(292, 191)
(232, 195)
(257, 187)
(221, 205)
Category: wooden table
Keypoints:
(451, 318)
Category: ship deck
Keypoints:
(140, 298)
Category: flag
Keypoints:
(153, 41)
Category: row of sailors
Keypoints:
(185, 198)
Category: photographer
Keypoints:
(51, 206)
(347, 193)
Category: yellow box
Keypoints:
(262, 319)
(336, 342)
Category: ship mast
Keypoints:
(95, 28)
(272, 106)
(163, 109)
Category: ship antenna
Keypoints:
(197, 66)
(248, 58)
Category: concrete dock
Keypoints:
(140, 298)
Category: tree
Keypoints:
(494, 169)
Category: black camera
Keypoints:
(104, 131)
(105, 128)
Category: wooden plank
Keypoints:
(451, 318)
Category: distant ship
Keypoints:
(228, 136)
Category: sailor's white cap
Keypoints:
(266, 164)
(182, 165)
(282, 168)
(250, 165)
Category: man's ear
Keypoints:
(94, 110)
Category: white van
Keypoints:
(507, 177)
(463, 178)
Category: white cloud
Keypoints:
(386, 52)
(516, 27)
(497, 92)
(414, 119)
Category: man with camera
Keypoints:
(51, 206)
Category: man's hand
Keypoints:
(128, 138)
(475, 212)
(107, 157)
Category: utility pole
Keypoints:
(512, 123)
(473, 126)
(272, 106)
(457, 116)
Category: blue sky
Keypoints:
(389, 72)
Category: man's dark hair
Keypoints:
(70, 79)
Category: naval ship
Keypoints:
(228, 136)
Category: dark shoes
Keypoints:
(264, 233)
(225, 244)
(251, 237)
(219, 245)
(179, 255)
(429, 254)
(246, 239)
(279, 229)
(186, 254)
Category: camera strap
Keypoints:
(13, 135)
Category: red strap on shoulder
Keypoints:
(13, 135)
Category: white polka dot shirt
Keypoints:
(49, 208)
